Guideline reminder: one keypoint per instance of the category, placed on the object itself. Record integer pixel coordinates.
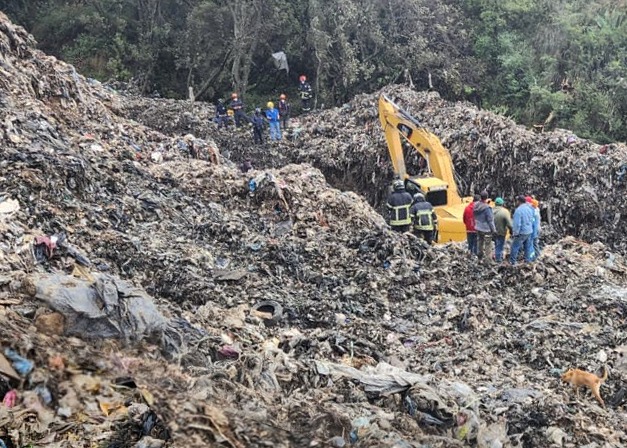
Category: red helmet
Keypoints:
(282, 96)
(302, 78)
(233, 95)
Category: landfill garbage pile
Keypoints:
(577, 181)
(176, 301)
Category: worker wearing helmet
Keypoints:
(284, 111)
(398, 205)
(272, 115)
(305, 93)
(238, 110)
(258, 125)
(423, 218)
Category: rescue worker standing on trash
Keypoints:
(272, 115)
(222, 116)
(469, 222)
(258, 125)
(284, 111)
(237, 106)
(484, 225)
(503, 223)
(522, 230)
(535, 234)
(423, 218)
(398, 205)
(305, 93)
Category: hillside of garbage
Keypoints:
(578, 182)
(154, 294)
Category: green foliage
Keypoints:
(510, 56)
(531, 48)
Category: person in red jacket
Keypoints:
(469, 222)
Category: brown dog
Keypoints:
(580, 378)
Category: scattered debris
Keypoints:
(374, 339)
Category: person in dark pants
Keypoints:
(423, 218)
(284, 111)
(222, 116)
(484, 225)
(305, 93)
(258, 126)
(238, 110)
(469, 222)
(398, 205)
(503, 224)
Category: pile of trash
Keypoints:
(178, 301)
(577, 181)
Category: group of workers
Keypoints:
(407, 211)
(275, 117)
(483, 223)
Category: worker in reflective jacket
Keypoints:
(423, 217)
(304, 88)
(398, 205)
(237, 105)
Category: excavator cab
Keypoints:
(433, 189)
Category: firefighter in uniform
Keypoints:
(424, 218)
(304, 88)
(398, 205)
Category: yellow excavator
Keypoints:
(438, 183)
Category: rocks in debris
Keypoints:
(50, 324)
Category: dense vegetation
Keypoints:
(559, 61)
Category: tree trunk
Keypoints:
(247, 26)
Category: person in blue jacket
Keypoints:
(272, 115)
(522, 230)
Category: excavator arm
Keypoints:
(398, 126)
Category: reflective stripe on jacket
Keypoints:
(422, 215)
(398, 205)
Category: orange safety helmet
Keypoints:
(233, 95)
(302, 78)
(282, 96)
